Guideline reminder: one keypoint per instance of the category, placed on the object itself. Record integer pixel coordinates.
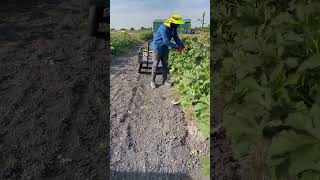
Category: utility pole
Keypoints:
(203, 20)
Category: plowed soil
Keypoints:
(53, 93)
(54, 99)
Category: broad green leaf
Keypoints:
(206, 166)
(304, 158)
(283, 18)
(281, 171)
(276, 72)
(254, 97)
(291, 36)
(305, 122)
(298, 120)
(301, 107)
(291, 62)
(314, 124)
(253, 61)
(269, 50)
(263, 79)
(281, 51)
(310, 175)
(312, 8)
(292, 79)
(300, 13)
(277, 161)
(311, 63)
(314, 113)
(201, 106)
(243, 148)
(249, 83)
(250, 45)
(268, 99)
(288, 141)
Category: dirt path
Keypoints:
(53, 93)
(148, 133)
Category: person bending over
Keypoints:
(160, 45)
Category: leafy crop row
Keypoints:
(146, 35)
(191, 73)
(120, 41)
(267, 66)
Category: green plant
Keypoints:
(206, 166)
(190, 71)
(120, 41)
(267, 70)
(146, 35)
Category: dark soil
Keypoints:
(223, 165)
(54, 99)
(54, 115)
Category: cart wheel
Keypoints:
(93, 25)
(140, 67)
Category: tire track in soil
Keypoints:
(148, 133)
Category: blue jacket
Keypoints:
(162, 39)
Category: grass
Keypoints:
(121, 41)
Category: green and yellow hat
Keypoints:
(175, 19)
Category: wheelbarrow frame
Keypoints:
(140, 58)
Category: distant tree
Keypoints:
(123, 29)
(112, 29)
(132, 29)
(142, 28)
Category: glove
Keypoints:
(180, 49)
(188, 49)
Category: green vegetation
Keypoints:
(191, 73)
(121, 41)
(206, 166)
(124, 39)
(267, 70)
(146, 35)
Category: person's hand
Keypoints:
(188, 49)
(180, 49)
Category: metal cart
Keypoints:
(145, 57)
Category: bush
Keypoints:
(191, 72)
(146, 35)
(121, 41)
(268, 52)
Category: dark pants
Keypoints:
(157, 57)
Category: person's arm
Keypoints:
(167, 40)
(177, 40)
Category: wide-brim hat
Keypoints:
(175, 19)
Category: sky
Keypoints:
(141, 13)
